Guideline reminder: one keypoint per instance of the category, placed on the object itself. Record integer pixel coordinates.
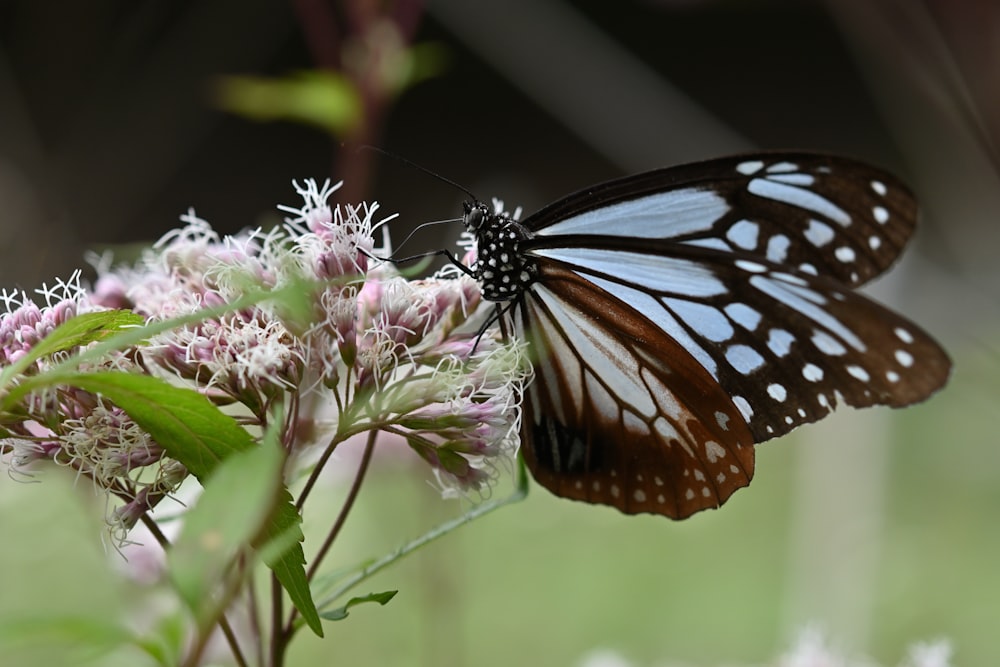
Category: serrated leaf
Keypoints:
(185, 423)
(341, 613)
(195, 432)
(289, 568)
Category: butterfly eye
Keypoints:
(475, 213)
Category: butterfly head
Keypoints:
(476, 213)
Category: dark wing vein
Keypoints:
(817, 214)
(618, 412)
(787, 347)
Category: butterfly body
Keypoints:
(680, 316)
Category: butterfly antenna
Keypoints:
(421, 226)
(411, 163)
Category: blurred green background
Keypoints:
(880, 527)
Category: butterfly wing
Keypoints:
(619, 413)
(784, 347)
(720, 293)
(817, 214)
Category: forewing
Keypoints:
(818, 214)
(786, 347)
(619, 413)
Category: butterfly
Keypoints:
(676, 318)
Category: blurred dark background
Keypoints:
(111, 127)
(108, 131)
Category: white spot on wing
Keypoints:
(752, 267)
(880, 214)
(722, 419)
(744, 234)
(707, 321)
(653, 271)
(749, 167)
(744, 407)
(777, 248)
(714, 451)
(812, 372)
(793, 179)
(859, 373)
(904, 358)
(799, 197)
(844, 254)
(660, 215)
(879, 188)
(780, 341)
(827, 344)
(777, 391)
(782, 167)
(744, 315)
(744, 358)
(903, 335)
(818, 233)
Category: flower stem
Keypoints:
(352, 495)
(520, 493)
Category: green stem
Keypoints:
(352, 495)
(278, 638)
(520, 493)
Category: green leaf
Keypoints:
(289, 568)
(185, 423)
(85, 329)
(318, 97)
(75, 332)
(195, 432)
(231, 512)
(340, 613)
